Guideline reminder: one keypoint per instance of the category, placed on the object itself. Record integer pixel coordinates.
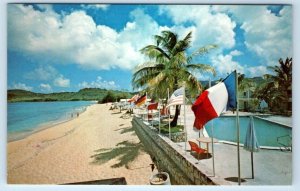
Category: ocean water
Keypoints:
(25, 118)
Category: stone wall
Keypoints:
(172, 158)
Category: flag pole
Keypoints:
(169, 116)
(238, 127)
(184, 117)
(212, 147)
(212, 140)
(159, 116)
(146, 107)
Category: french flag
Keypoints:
(213, 101)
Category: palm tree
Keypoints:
(277, 90)
(170, 67)
(246, 85)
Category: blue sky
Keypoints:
(67, 47)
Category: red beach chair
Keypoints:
(196, 148)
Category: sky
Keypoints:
(67, 47)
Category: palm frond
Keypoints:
(157, 79)
(170, 40)
(204, 50)
(159, 39)
(170, 66)
(145, 74)
(182, 45)
(192, 84)
(146, 65)
(159, 90)
(202, 68)
(155, 53)
(177, 61)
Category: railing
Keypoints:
(285, 147)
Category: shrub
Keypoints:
(109, 97)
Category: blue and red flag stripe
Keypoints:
(213, 101)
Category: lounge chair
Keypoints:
(196, 148)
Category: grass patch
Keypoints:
(176, 129)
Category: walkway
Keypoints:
(271, 167)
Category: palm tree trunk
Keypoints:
(175, 119)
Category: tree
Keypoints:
(246, 85)
(277, 89)
(109, 97)
(170, 67)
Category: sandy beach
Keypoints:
(68, 152)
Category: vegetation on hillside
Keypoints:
(87, 94)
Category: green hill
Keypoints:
(87, 94)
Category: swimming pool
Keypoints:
(224, 128)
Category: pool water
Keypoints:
(267, 132)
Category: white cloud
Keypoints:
(95, 6)
(257, 71)
(61, 82)
(224, 64)
(210, 27)
(140, 32)
(235, 53)
(21, 86)
(45, 7)
(267, 35)
(42, 73)
(99, 83)
(79, 40)
(270, 38)
(47, 74)
(45, 88)
(75, 38)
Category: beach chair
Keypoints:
(196, 148)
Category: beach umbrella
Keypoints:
(251, 143)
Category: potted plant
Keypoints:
(159, 178)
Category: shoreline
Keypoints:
(38, 129)
(16, 136)
(67, 152)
